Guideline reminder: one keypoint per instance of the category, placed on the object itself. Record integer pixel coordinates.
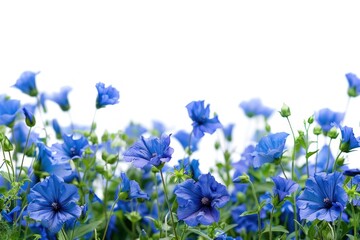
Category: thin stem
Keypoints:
(355, 220)
(282, 169)
(64, 233)
(258, 208)
(271, 218)
(317, 153)
(168, 204)
(92, 123)
(328, 157)
(337, 157)
(108, 220)
(23, 157)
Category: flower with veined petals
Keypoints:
(53, 202)
(200, 116)
(152, 150)
(283, 187)
(131, 187)
(348, 139)
(324, 197)
(106, 95)
(199, 201)
(269, 149)
(73, 147)
(27, 83)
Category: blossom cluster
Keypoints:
(72, 182)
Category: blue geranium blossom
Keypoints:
(348, 140)
(131, 187)
(269, 149)
(60, 98)
(254, 107)
(327, 119)
(200, 115)
(9, 109)
(283, 187)
(27, 83)
(183, 137)
(134, 130)
(354, 84)
(152, 150)
(106, 95)
(199, 201)
(246, 160)
(53, 202)
(324, 197)
(191, 168)
(73, 147)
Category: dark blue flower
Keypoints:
(327, 119)
(348, 140)
(132, 188)
(254, 107)
(352, 172)
(199, 201)
(269, 149)
(227, 130)
(183, 137)
(9, 108)
(287, 215)
(200, 115)
(248, 223)
(323, 198)
(27, 84)
(354, 84)
(152, 150)
(61, 98)
(73, 147)
(283, 187)
(106, 95)
(246, 160)
(53, 202)
(29, 117)
(191, 168)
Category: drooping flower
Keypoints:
(351, 172)
(354, 84)
(323, 198)
(348, 140)
(283, 187)
(61, 98)
(73, 147)
(9, 109)
(327, 119)
(152, 150)
(254, 107)
(199, 201)
(269, 149)
(106, 95)
(27, 83)
(131, 187)
(158, 128)
(200, 115)
(134, 130)
(184, 137)
(227, 130)
(29, 117)
(53, 202)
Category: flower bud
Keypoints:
(29, 118)
(333, 133)
(285, 111)
(317, 130)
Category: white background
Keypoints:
(161, 55)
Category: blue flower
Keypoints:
(246, 159)
(227, 130)
(348, 140)
(27, 84)
(283, 187)
(106, 95)
(191, 168)
(9, 108)
(158, 128)
(248, 223)
(20, 133)
(61, 98)
(354, 84)
(183, 137)
(199, 201)
(327, 119)
(152, 150)
(325, 159)
(134, 130)
(323, 198)
(29, 117)
(53, 202)
(201, 121)
(132, 188)
(269, 149)
(352, 172)
(73, 147)
(254, 107)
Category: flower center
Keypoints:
(328, 203)
(205, 201)
(73, 151)
(55, 206)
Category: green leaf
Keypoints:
(198, 232)
(250, 212)
(277, 228)
(229, 227)
(86, 228)
(5, 175)
(309, 154)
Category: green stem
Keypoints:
(282, 169)
(168, 204)
(271, 218)
(355, 218)
(108, 220)
(258, 208)
(23, 157)
(337, 157)
(64, 234)
(328, 157)
(92, 127)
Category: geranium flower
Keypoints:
(199, 201)
(53, 202)
(152, 150)
(183, 137)
(27, 84)
(8, 111)
(131, 187)
(327, 118)
(324, 197)
(73, 147)
(269, 148)
(254, 107)
(283, 187)
(201, 121)
(354, 84)
(106, 95)
(60, 98)
(348, 140)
